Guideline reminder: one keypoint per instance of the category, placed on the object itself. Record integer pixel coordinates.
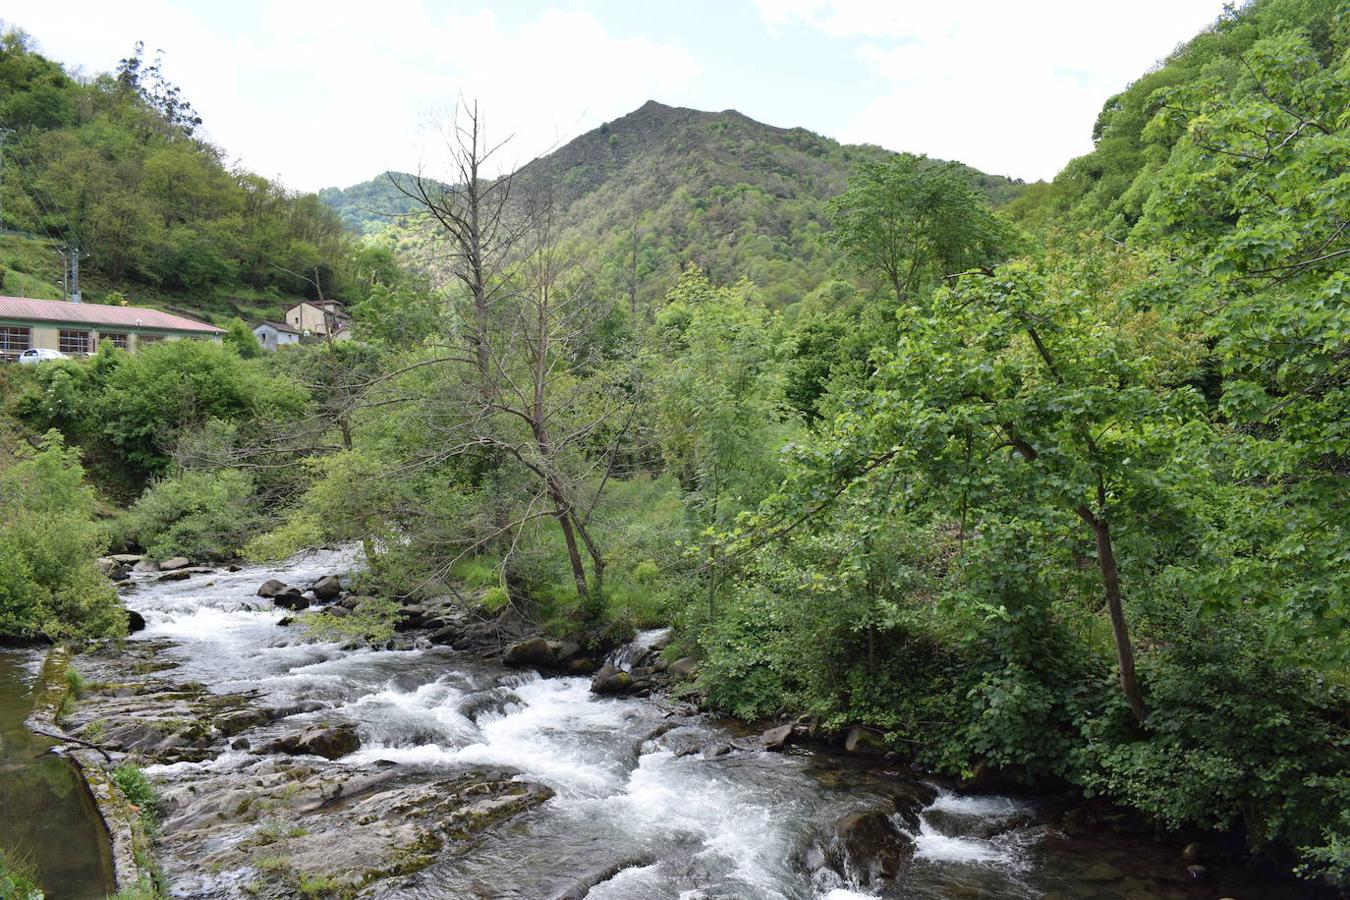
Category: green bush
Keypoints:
(1235, 739)
(48, 542)
(203, 515)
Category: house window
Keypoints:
(13, 341)
(143, 339)
(118, 339)
(73, 341)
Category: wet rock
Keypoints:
(107, 565)
(338, 612)
(712, 751)
(174, 562)
(1191, 852)
(1198, 874)
(294, 709)
(411, 617)
(684, 667)
(241, 720)
(326, 588)
(328, 741)
(776, 738)
(175, 575)
(530, 652)
(291, 599)
(240, 744)
(351, 601)
(447, 634)
(135, 622)
(285, 621)
(612, 680)
(494, 702)
(869, 847)
(582, 665)
(863, 741)
(564, 650)
(127, 559)
(271, 588)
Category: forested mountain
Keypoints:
(664, 187)
(115, 166)
(373, 205)
(1038, 487)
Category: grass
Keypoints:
(316, 886)
(139, 790)
(17, 879)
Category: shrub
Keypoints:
(197, 514)
(48, 542)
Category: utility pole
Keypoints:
(4, 136)
(71, 257)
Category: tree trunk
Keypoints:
(1106, 560)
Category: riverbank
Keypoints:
(287, 766)
(49, 822)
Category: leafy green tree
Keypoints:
(48, 541)
(908, 221)
(239, 336)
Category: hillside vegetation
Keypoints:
(665, 187)
(115, 166)
(1050, 494)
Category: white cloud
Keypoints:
(334, 92)
(1011, 88)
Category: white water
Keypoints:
(737, 826)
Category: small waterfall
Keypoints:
(639, 648)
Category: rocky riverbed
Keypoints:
(428, 768)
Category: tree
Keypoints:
(909, 221)
(239, 336)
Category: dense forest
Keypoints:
(1043, 484)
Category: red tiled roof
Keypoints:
(95, 314)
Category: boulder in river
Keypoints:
(581, 665)
(175, 575)
(869, 847)
(135, 622)
(612, 680)
(564, 650)
(271, 587)
(776, 738)
(291, 599)
(533, 651)
(327, 587)
(174, 562)
(328, 741)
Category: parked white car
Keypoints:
(39, 354)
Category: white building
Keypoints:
(275, 334)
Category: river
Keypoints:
(633, 814)
(47, 818)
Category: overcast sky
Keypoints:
(333, 93)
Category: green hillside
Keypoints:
(734, 196)
(115, 166)
(1108, 188)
